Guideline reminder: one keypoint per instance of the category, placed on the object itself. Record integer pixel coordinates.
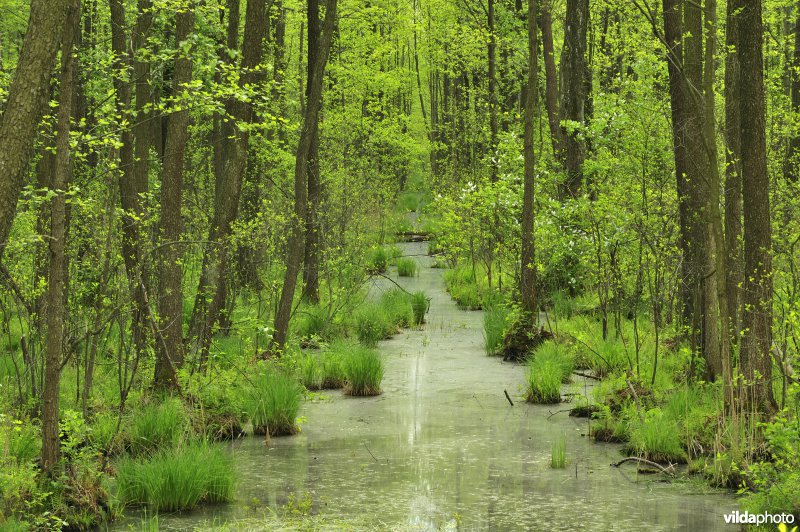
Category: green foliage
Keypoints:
(311, 375)
(406, 267)
(312, 321)
(332, 365)
(177, 479)
(419, 306)
(271, 402)
(363, 370)
(558, 356)
(396, 303)
(558, 453)
(20, 439)
(157, 426)
(372, 324)
(494, 326)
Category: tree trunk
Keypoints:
(295, 247)
(25, 104)
(791, 168)
(210, 298)
(56, 310)
(573, 96)
(312, 240)
(756, 361)
(492, 60)
(551, 81)
(169, 350)
(528, 255)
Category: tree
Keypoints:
(310, 124)
(26, 101)
(756, 346)
(528, 253)
(312, 240)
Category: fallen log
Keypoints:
(413, 236)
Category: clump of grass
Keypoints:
(333, 375)
(271, 403)
(363, 369)
(21, 440)
(558, 355)
(396, 303)
(372, 324)
(311, 372)
(406, 267)
(558, 453)
(494, 326)
(177, 479)
(545, 375)
(419, 306)
(377, 260)
(158, 426)
(464, 287)
(313, 321)
(656, 438)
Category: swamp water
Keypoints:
(442, 449)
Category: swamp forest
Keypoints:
(399, 265)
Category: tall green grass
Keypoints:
(271, 403)
(558, 453)
(310, 370)
(363, 370)
(494, 326)
(656, 438)
(406, 267)
(177, 479)
(419, 306)
(372, 324)
(312, 321)
(396, 303)
(377, 260)
(331, 362)
(550, 366)
(158, 426)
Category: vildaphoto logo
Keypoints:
(746, 518)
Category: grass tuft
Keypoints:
(372, 324)
(558, 453)
(272, 402)
(363, 370)
(494, 326)
(158, 426)
(177, 479)
(377, 260)
(419, 306)
(656, 438)
(406, 267)
(550, 366)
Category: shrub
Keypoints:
(377, 260)
(363, 369)
(406, 267)
(656, 438)
(271, 403)
(494, 326)
(544, 381)
(158, 426)
(558, 453)
(177, 479)
(419, 306)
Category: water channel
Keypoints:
(442, 449)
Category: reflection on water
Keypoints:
(442, 449)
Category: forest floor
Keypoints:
(443, 448)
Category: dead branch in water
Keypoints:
(669, 470)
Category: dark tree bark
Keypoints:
(56, 311)
(26, 101)
(528, 254)
(312, 240)
(791, 168)
(310, 122)
(210, 298)
(733, 178)
(551, 81)
(756, 360)
(573, 94)
(493, 111)
(169, 348)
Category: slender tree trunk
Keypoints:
(169, 349)
(551, 81)
(573, 97)
(733, 178)
(312, 240)
(210, 298)
(756, 359)
(310, 122)
(791, 168)
(492, 60)
(528, 254)
(56, 310)
(25, 103)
